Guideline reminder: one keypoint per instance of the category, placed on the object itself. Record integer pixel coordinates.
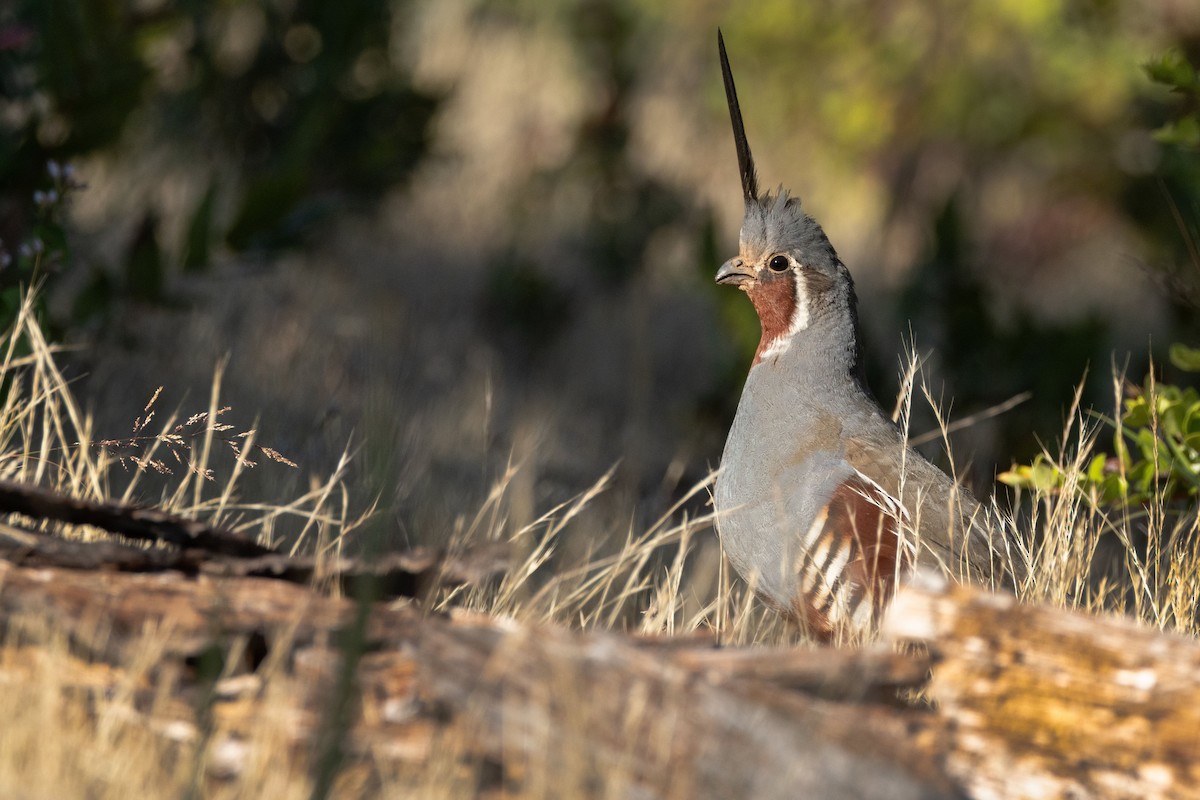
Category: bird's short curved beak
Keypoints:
(735, 272)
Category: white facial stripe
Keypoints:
(800, 315)
(799, 319)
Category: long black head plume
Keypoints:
(745, 160)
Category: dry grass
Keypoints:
(668, 579)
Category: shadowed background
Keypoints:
(463, 235)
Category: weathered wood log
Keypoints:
(599, 710)
(133, 522)
(1026, 701)
(873, 674)
(412, 573)
(1047, 702)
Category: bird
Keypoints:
(820, 503)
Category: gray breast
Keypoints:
(768, 494)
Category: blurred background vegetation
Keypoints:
(465, 234)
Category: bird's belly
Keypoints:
(763, 514)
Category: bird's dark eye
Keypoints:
(779, 264)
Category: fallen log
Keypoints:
(601, 709)
(1048, 702)
(1024, 701)
(147, 524)
(412, 573)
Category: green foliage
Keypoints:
(1184, 357)
(883, 77)
(303, 99)
(88, 64)
(46, 246)
(1156, 447)
(70, 78)
(315, 108)
(1156, 440)
(1166, 203)
(1174, 71)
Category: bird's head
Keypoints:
(785, 262)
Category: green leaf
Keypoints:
(1045, 477)
(1184, 132)
(1040, 476)
(1137, 413)
(1014, 477)
(1141, 475)
(1123, 453)
(1181, 465)
(1172, 69)
(1147, 443)
(1114, 488)
(1184, 357)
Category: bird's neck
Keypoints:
(822, 351)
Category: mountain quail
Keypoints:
(821, 505)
